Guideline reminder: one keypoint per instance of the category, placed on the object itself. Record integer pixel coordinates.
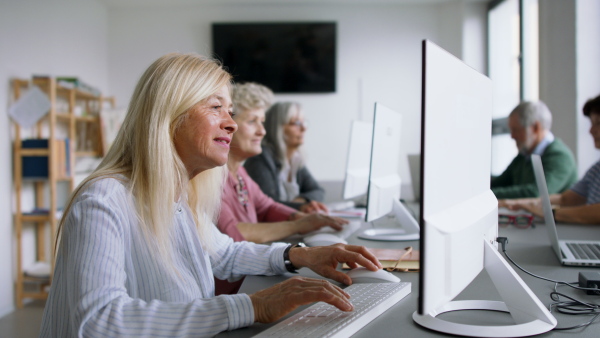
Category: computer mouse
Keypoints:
(363, 275)
(323, 239)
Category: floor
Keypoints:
(23, 323)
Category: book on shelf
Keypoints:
(36, 167)
(74, 83)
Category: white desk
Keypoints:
(530, 248)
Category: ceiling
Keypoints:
(135, 3)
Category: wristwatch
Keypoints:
(286, 257)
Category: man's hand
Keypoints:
(534, 206)
(325, 259)
(275, 302)
(517, 203)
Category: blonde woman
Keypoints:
(280, 170)
(137, 250)
(247, 214)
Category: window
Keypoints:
(513, 61)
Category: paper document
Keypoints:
(30, 107)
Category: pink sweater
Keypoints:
(260, 208)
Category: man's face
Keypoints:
(524, 136)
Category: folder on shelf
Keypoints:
(35, 166)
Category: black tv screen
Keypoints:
(286, 57)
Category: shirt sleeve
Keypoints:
(582, 186)
(236, 259)
(90, 296)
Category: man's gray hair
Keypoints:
(530, 112)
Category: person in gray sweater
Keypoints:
(280, 170)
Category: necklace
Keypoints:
(242, 191)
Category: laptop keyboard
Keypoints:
(589, 251)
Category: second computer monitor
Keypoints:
(384, 179)
(356, 181)
(383, 196)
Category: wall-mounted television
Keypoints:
(292, 57)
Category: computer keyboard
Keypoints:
(585, 251)
(324, 320)
(346, 232)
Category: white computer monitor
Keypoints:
(356, 180)
(383, 196)
(459, 216)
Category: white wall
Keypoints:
(57, 37)
(379, 59)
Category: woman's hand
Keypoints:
(280, 299)
(306, 223)
(314, 207)
(325, 259)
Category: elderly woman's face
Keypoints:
(203, 139)
(251, 131)
(293, 131)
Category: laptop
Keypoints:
(569, 252)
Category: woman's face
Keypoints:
(293, 131)
(203, 139)
(595, 129)
(251, 131)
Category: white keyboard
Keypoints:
(346, 232)
(324, 320)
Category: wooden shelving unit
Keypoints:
(73, 127)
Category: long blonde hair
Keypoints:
(144, 152)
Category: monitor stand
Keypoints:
(408, 232)
(530, 315)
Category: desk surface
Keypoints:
(530, 248)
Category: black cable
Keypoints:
(503, 241)
(572, 307)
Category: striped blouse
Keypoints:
(589, 185)
(108, 283)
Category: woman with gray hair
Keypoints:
(137, 250)
(280, 170)
(247, 214)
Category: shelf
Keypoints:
(35, 295)
(31, 279)
(34, 152)
(87, 154)
(79, 94)
(87, 119)
(63, 131)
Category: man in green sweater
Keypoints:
(529, 125)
